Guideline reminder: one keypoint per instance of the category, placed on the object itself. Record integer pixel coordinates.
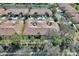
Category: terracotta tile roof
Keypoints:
(17, 11)
(17, 25)
(69, 9)
(76, 15)
(7, 23)
(35, 31)
(63, 5)
(40, 28)
(7, 31)
(42, 24)
(75, 19)
(40, 11)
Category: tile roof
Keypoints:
(7, 31)
(41, 28)
(17, 25)
(17, 11)
(70, 11)
(63, 5)
(68, 8)
(75, 19)
(40, 11)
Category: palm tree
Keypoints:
(34, 20)
(49, 23)
(24, 27)
(34, 23)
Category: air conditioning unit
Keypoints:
(0, 21)
(14, 22)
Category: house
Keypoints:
(63, 5)
(7, 31)
(40, 11)
(71, 11)
(24, 11)
(18, 27)
(68, 9)
(17, 10)
(41, 28)
(10, 26)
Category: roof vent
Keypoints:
(14, 22)
(34, 23)
(49, 23)
(0, 22)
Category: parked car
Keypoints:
(40, 18)
(31, 18)
(3, 18)
(14, 18)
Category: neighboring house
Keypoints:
(40, 11)
(10, 27)
(68, 9)
(63, 5)
(13, 10)
(71, 11)
(17, 11)
(24, 11)
(75, 19)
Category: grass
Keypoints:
(76, 6)
(23, 40)
(23, 5)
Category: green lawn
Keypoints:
(23, 5)
(76, 6)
